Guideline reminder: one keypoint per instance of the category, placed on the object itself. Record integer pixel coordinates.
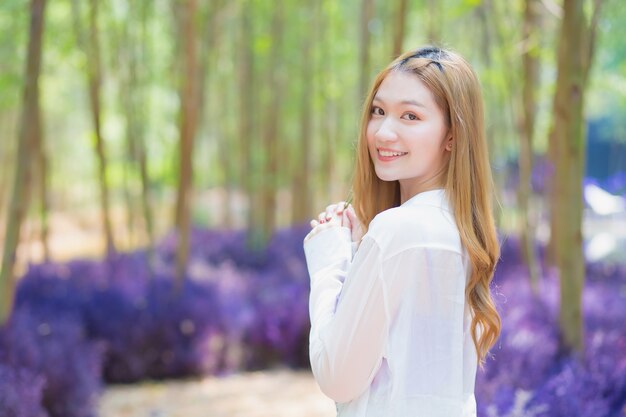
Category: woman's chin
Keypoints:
(385, 176)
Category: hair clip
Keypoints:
(432, 53)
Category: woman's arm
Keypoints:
(347, 337)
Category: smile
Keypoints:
(384, 155)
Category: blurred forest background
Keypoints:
(166, 127)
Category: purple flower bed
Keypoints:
(78, 325)
(529, 373)
(47, 363)
(20, 392)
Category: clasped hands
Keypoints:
(338, 215)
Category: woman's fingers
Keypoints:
(356, 225)
(350, 212)
(333, 210)
(334, 213)
(349, 215)
(337, 215)
(345, 220)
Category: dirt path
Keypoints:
(274, 393)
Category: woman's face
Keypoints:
(407, 135)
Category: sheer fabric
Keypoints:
(389, 321)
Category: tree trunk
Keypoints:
(367, 14)
(248, 98)
(128, 90)
(91, 48)
(271, 136)
(142, 156)
(486, 38)
(42, 173)
(325, 171)
(4, 171)
(129, 198)
(136, 102)
(214, 31)
(189, 100)
(226, 131)
(95, 81)
(399, 27)
(301, 150)
(498, 47)
(530, 67)
(434, 21)
(28, 133)
(574, 60)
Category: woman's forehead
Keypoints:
(400, 87)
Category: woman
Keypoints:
(401, 313)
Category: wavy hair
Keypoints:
(467, 180)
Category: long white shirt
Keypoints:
(390, 326)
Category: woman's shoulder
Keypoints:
(404, 227)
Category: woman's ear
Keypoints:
(449, 143)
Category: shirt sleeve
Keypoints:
(348, 313)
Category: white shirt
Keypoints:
(390, 326)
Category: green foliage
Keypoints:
(14, 23)
(487, 33)
(607, 95)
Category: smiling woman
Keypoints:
(408, 127)
(401, 312)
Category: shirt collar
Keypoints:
(436, 198)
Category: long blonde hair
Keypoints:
(468, 181)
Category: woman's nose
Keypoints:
(386, 130)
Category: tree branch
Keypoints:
(592, 31)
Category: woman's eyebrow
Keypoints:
(408, 101)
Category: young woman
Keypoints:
(401, 312)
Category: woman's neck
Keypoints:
(409, 188)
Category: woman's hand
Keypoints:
(331, 217)
(337, 215)
(355, 225)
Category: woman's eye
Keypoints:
(410, 116)
(377, 111)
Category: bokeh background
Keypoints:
(160, 160)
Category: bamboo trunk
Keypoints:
(574, 60)
(44, 198)
(301, 150)
(27, 138)
(434, 21)
(399, 27)
(248, 101)
(367, 14)
(527, 127)
(142, 155)
(95, 82)
(188, 123)
(271, 137)
(322, 160)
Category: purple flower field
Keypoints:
(529, 373)
(79, 325)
